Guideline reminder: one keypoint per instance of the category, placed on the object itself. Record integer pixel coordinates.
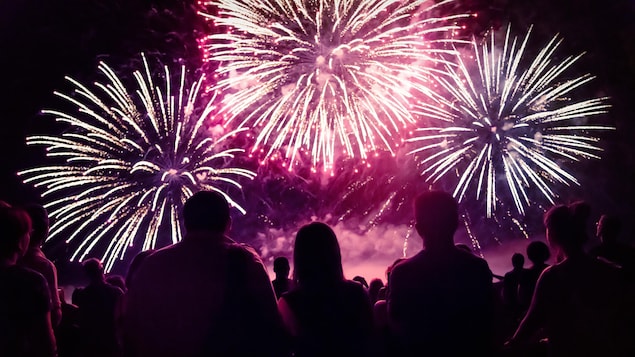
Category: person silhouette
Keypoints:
(35, 259)
(610, 248)
(205, 295)
(326, 314)
(583, 305)
(25, 304)
(538, 254)
(441, 300)
(282, 283)
(98, 303)
(511, 285)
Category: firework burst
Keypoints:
(507, 122)
(325, 77)
(131, 160)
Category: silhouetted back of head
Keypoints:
(281, 266)
(206, 211)
(538, 252)
(392, 266)
(518, 260)
(609, 228)
(94, 269)
(566, 226)
(40, 218)
(316, 256)
(15, 226)
(437, 218)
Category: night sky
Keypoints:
(42, 41)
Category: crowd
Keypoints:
(211, 296)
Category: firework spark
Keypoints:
(131, 161)
(504, 124)
(325, 77)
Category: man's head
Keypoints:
(518, 260)
(608, 228)
(436, 218)
(538, 252)
(39, 217)
(281, 267)
(206, 211)
(94, 269)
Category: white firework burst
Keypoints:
(507, 122)
(326, 77)
(130, 162)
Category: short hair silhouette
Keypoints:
(40, 219)
(566, 225)
(538, 252)
(609, 228)
(206, 211)
(93, 269)
(15, 223)
(281, 266)
(316, 255)
(518, 260)
(436, 214)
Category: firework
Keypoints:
(325, 77)
(508, 123)
(131, 160)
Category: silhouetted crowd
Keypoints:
(211, 296)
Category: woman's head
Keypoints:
(566, 226)
(316, 255)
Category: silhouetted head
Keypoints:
(206, 211)
(373, 289)
(40, 218)
(538, 252)
(316, 256)
(94, 270)
(518, 260)
(15, 228)
(609, 228)
(436, 218)
(118, 281)
(566, 226)
(281, 267)
(392, 266)
(360, 279)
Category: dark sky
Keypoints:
(41, 41)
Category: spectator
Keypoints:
(67, 332)
(610, 248)
(511, 284)
(25, 302)
(583, 304)
(35, 259)
(98, 303)
(282, 283)
(326, 314)
(117, 281)
(205, 295)
(360, 279)
(538, 253)
(441, 301)
(373, 290)
(385, 342)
